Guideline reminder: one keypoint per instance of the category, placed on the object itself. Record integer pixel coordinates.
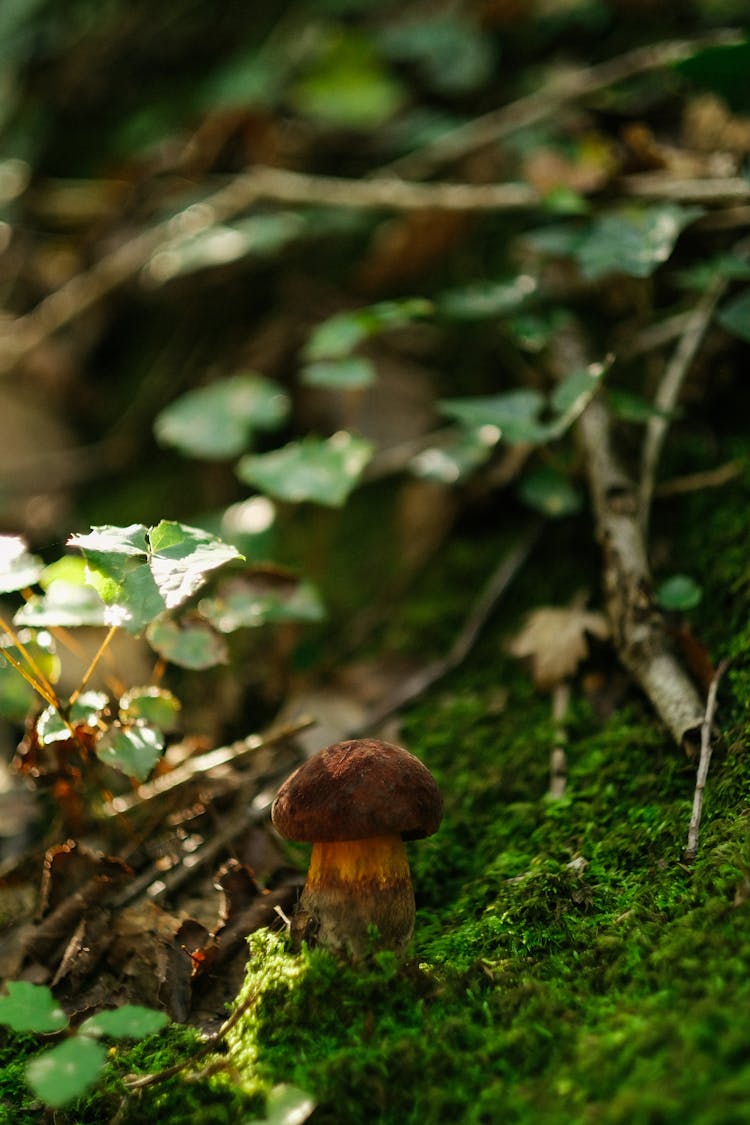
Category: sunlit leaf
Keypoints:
(550, 492)
(679, 593)
(456, 457)
(218, 421)
(513, 416)
(141, 572)
(482, 300)
(153, 704)
(220, 244)
(285, 1105)
(189, 644)
(63, 1073)
(633, 240)
(267, 597)
(31, 1007)
(346, 374)
(734, 316)
(323, 471)
(130, 1021)
(18, 568)
(65, 605)
(134, 749)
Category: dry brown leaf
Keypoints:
(555, 641)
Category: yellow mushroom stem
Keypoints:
(354, 888)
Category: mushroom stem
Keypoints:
(353, 886)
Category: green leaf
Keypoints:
(634, 408)
(268, 597)
(190, 643)
(31, 1007)
(153, 704)
(533, 331)
(346, 374)
(64, 606)
(131, 1021)
(482, 300)
(514, 414)
(285, 1105)
(633, 240)
(734, 316)
(338, 336)
(51, 727)
(550, 492)
(679, 592)
(140, 573)
(134, 750)
(705, 273)
(324, 472)
(18, 568)
(88, 707)
(218, 421)
(456, 458)
(348, 85)
(65, 1072)
(16, 696)
(453, 55)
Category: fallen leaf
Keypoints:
(555, 641)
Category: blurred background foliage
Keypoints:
(203, 388)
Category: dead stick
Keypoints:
(691, 849)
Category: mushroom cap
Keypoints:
(358, 789)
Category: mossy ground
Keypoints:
(567, 966)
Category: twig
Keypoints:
(558, 760)
(638, 628)
(707, 189)
(695, 482)
(691, 849)
(92, 665)
(210, 1044)
(421, 681)
(202, 764)
(668, 392)
(570, 87)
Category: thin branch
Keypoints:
(638, 628)
(558, 759)
(548, 101)
(710, 189)
(41, 685)
(416, 685)
(668, 392)
(92, 666)
(696, 482)
(691, 849)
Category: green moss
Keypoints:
(568, 966)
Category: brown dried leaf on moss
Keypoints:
(555, 639)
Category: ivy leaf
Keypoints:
(134, 750)
(18, 568)
(152, 704)
(338, 336)
(66, 1071)
(285, 1105)
(31, 1007)
(679, 593)
(483, 300)
(324, 472)
(550, 493)
(349, 373)
(190, 643)
(734, 316)
(456, 458)
(65, 605)
(142, 572)
(513, 416)
(632, 240)
(268, 596)
(219, 421)
(130, 1021)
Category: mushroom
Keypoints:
(357, 802)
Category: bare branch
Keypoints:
(691, 848)
(570, 87)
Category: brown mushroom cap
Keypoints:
(355, 790)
